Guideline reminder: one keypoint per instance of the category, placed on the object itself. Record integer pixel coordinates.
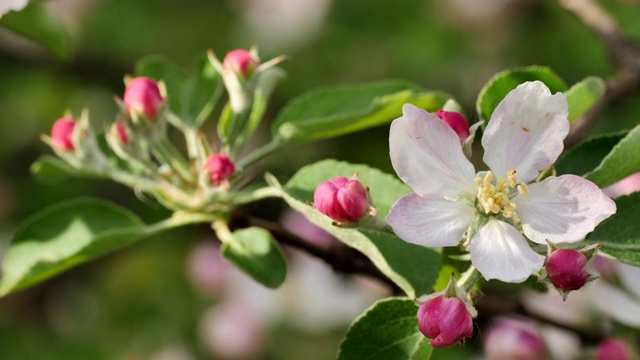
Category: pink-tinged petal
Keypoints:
(426, 154)
(526, 131)
(430, 220)
(562, 209)
(617, 303)
(500, 252)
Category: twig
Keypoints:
(624, 52)
(342, 258)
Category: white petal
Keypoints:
(617, 303)
(430, 221)
(526, 131)
(562, 209)
(500, 252)
(427, 156)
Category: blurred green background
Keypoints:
(140, 302)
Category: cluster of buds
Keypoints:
(139, 137)
(446, 317)
(565, 268)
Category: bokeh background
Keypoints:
(170, 297)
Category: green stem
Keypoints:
(169, 155)
(469, 278)
(255, 195)
(179, 219)
(222, 230)
(191, 138)
(132, 181)
(261, 153)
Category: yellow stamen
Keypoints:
(495, 198)
(511, 175)
(523, 189)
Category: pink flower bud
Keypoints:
(122, 132)
(342, 199)
(241, 62)
(456, 121)
(445, 320)
(220, 168)
(142, 95)
(514, 339)
(62, 133)
(613, 349)
(565, 269)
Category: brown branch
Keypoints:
(624, 52)
(342, 258)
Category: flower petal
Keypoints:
(426, 154)
(617, 303)
(500, 252)
(526, 131)
(430, 221)
(562, 209)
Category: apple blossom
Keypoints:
(525, 136)
(241, 61)
(62, 133)
(220, 168)
(445, 320)
(512, 338)
(565, 269)
(12, 5)
(614, 349)
(142, 96)
(341, 199)
(456, 121)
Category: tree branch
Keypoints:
(342, 258)
(624, 52)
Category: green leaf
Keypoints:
(388, 330)
(413, 268)
(71, 233)
(256, 252)
(63, 236)
(191, 98)
(37, 23)
(50, 169)
(340, 110)
(583, 95)
(587, 155)
(502, 83)
(620, 234)
(622, 161)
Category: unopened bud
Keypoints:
(241, 62)
(62, 133)
(122, 132)
(614, 349)
(514, 339)
(142, 95)
(456, 121)
(565, 269)
(445, 320)
(341, 199)
(220, 168)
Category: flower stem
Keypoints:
(221, 227)
(261, 153)
(469, 278)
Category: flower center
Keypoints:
(494, 198)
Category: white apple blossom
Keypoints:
(12, 5)
(524, 136)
